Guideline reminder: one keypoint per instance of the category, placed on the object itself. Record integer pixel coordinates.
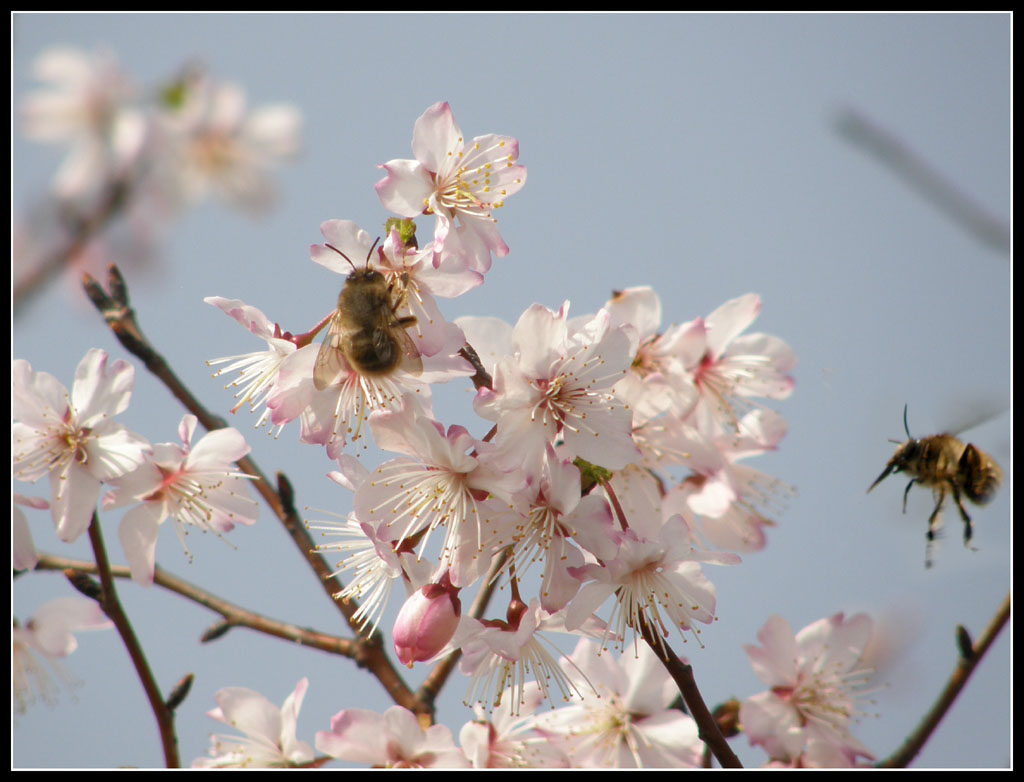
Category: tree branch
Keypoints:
(233, 615)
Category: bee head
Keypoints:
(366, 270)
(365, 276)
(905, 456)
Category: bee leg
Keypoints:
(906, 492)
(968, 529)
(934, 525)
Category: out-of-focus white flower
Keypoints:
(23, 550)
(211, 143)
(815, 679)
(85, 104)
(269, 740)
(46, 637)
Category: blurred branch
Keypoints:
(899, 158)
(80, 230)
(969, 657)
(112, 608)
(113, 304)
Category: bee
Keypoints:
(947, 466)
(366, 330)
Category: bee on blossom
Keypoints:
(386, 337)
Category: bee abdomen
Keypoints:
(981, 476)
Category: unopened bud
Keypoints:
(426, 622)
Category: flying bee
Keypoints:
(366, 330)
(944, 464)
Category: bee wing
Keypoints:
(411, 361)
(964, 413)
(330, 360)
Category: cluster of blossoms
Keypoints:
(74, 440)
(174, 145)
(143, 155)
(620, 715)
(612, 472)
(630, 723)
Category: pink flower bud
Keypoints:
(426, 622)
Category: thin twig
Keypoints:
(965, 665)
(112, 608)
(233, 615)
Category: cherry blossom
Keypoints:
(393, 739)
(816, 677)
(269, 741)
(658, 380)
(559, 384)
(375, 562)
(511, 740)
(730, 503)
(728, 369)
(499, 656)
(435, 484)
(556, 525)
(459, 183)
(658, 582)
(613, 470)
(627, 722)
(257, 372)
(73, 438)
(194, 485)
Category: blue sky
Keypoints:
(694, 153)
